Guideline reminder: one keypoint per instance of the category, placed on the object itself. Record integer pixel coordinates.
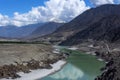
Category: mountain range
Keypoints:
(100, 23)
(28, 31)
(106, 29)
(18, 32)
(45, 29)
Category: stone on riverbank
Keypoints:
(112, 69)
(15, 58)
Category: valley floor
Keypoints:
(15, 58)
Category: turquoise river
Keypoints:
(80, 66)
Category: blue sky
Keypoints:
(24, 12)
(8, 7)
(88, 3)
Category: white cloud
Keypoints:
(54, 10)
(101, 2)
(4, 20)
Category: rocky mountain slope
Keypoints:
(84, 21)
(45, 29)
(106, 29)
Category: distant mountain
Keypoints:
(45, 29)
(85, 20)
(18, 32)
(106, 29)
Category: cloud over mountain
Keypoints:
(101, 2)
(54, 10)
(4, 20)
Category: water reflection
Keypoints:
(80, 67)
(69, 72)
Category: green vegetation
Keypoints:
(22, 42)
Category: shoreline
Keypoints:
(44, 72)
(25, 58)
(111, 70)
(57, 70)
(89, 53)
(18, 70)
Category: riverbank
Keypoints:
(107, 52)
(112, 69)
(78, 66)
(25, 58)
(40, 73)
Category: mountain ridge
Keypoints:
(83, 21)
(45, 29)
(17, 32)
(107, 29)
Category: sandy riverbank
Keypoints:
(40, 73)
(16, 58)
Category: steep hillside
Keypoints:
(45, 29)
(107, 29)
(85, 20)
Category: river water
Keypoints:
(80, 66)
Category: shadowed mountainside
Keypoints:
(84, 21)
(107, 29)
(45, 29)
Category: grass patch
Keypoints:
(22, 42)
